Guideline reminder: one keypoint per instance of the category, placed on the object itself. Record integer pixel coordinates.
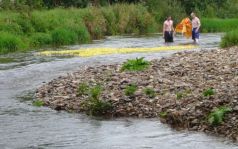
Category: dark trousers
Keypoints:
(195, 35)
(168, 36)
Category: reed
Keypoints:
(230, 39)
(218, 25)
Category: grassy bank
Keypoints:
(21, 31)
(230, 39)
(56, 27)
(218, 25)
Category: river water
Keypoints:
(25, 126)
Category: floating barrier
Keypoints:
(88, 52)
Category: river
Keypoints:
(25, 126)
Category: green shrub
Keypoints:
(83, 89)
(40, 39)
(179, 95)
(130, 90)
(137, 64)
(94, 105)
(39, 21)
(161, 9)
(208, 92)
(25, 23)
(230, 39)
(95, 22)
(10, 43)
(95, 92)
(83, 35)
(11, 28)
(38, 103)
(216, 116)
(150, 92)
(97, 107)
(111, 22)
(142, 21)
(63, 36)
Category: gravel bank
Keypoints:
(178, 81)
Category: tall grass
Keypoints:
(56, 27)
(40, 39)
(59, 26)
(10, 43)
(230, 39)
(61, 36)
(219, 25)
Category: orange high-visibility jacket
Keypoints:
(185, 27)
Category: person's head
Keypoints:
(169, 18)
(193, 15)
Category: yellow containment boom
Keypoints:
(107, 51)
(184, 27)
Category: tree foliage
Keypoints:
(207, 8)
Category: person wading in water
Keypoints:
(196, 26)
(168, 30)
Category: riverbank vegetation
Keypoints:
(214, 25)
(40, 23)
(230, 39)
(58, 27)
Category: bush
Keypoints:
(11, 28)
(94, 105)
(111, 21)
(63, 36)
(208, 92)
(137, 64)
(130, 90)
(10, 43)
(230, 39)
(83, 89)
(95, 92)
(40, 22)
(97, 107)
(83, 35)
(95, 22)
(150, 92)
(216, 116)
(25, 23)
(179, 95)
(140, 20)
(161, 9)
(40, 39)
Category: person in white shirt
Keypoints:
(168, 30)
(196, 24)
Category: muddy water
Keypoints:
(25, 126)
